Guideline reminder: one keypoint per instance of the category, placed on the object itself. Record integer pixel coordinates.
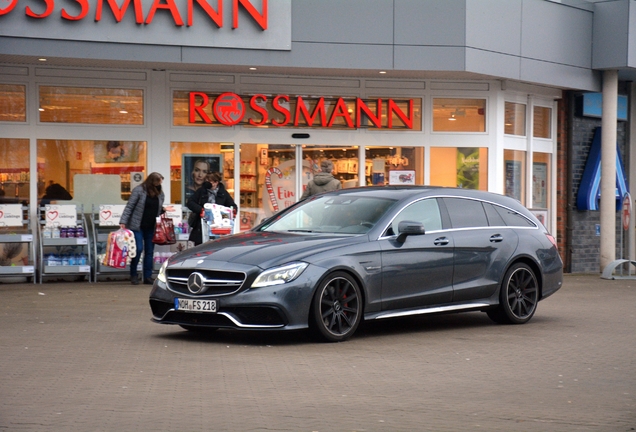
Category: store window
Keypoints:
(542, 127)
(345, 164)
(91, 172)
(464, 167)
(515, 119)
(541, 180)
(14, 171)
(191, 162)
(267, 181)
(394, 166)
(12, 103)
(459, 115)
(91, 105)
(515, 174)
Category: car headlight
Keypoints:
(162, 272)
(279, 275)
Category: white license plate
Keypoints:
(187, 305)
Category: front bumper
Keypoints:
(280, 307)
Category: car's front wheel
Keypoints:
(336, 309)
(518, 297)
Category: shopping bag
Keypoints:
(205, 231)
(120, 249)
(164, 231)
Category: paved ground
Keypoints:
(85, 357)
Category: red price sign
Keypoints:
(627, 210)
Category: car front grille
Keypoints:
(215, 282)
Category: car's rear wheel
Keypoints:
(518, 297)
(336, 308)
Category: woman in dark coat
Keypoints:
(140, 216)
(212, 192)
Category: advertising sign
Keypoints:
(11, 215)
(109, 215)
(60, 215)
(626, 214)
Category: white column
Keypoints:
(608, 168)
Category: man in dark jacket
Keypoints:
(212, 192)
(323, 181)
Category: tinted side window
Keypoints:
(494, 219)
(465, 213)
(425, 211)
(512, 218)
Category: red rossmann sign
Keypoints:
(229, 109)
(168, 5)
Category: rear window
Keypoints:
(512, 218)
(494, 219)
(465, 213)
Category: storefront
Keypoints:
(263, 91)
(461, 134)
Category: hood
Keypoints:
(322, 178)
(265, 249)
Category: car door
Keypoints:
(483, 247)
(418, 271)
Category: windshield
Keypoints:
(333, 214)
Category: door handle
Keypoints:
(440, 241)
(496, 238)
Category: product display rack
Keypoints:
(20, 234)
(47, 245)
(99, 234)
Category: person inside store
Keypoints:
(200, 170)
(323, 181)
(115, 150)
(140, 216)
(55, 192)
(212, 192)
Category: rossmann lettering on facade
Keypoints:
(76, 10)
(230, 109)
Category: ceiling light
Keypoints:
(382, 72)
(42, 59)
(252, 68)
(123, 111)
(452, 117)
(41, 109)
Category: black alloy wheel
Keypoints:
(336, 310)
(518, 297)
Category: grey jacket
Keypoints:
(131, 216)
(322, 182)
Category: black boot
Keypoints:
(134, 280)
(149, 281)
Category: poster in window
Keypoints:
(539, 185)
(195, 169)
(513, 179)
(116, 151)
(468, 168)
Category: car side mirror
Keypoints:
(407, 228)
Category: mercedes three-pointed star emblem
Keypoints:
(195, 283)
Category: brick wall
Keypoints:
(585, 244)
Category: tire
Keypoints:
(518, 296)
(336, 310)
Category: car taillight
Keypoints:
(552, 240)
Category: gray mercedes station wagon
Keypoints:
(371, 253)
